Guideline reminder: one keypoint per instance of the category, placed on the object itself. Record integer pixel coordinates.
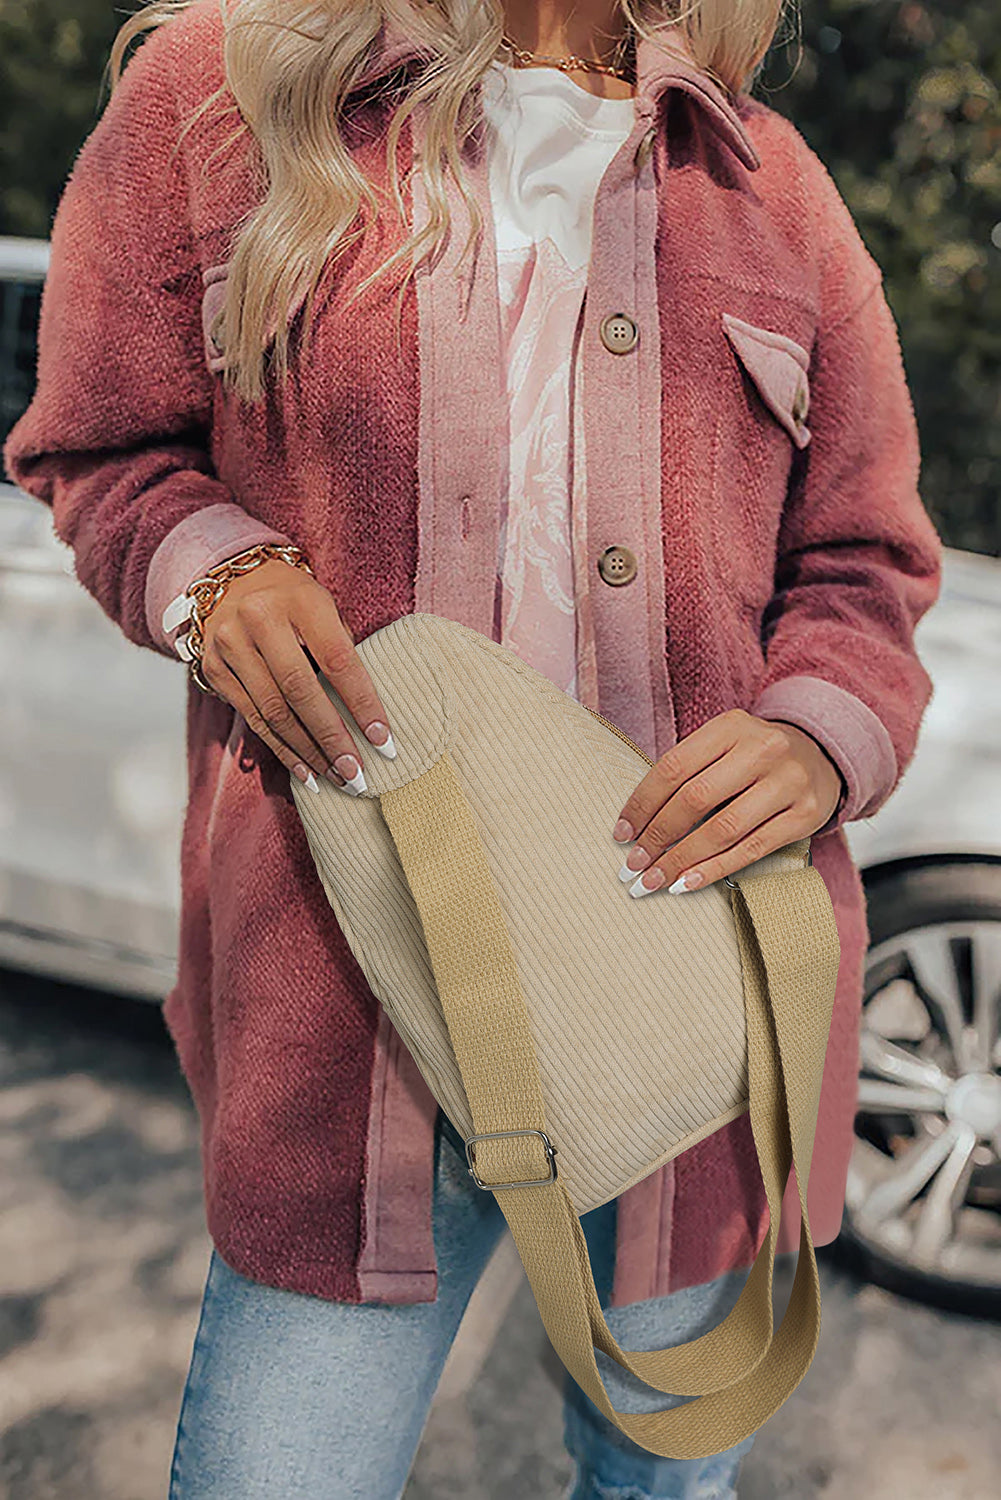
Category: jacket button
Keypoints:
(801, 402)
(619, 333)
(617, 565)
(644, 148)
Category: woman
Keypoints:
(223, 371)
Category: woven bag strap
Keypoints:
(739, 1373)
(480, 991)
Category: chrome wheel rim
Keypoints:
(924, 1184)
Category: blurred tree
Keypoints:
(899, 98)
(52, 59)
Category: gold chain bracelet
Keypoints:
(207, 592)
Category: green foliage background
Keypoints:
(899, 97)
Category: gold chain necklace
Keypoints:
(566, 64)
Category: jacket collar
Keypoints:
(658, 67)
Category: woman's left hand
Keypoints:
(757, 784)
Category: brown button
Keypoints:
(617, 565)
(642, 155)
(216, 333)
(800, 403)
(619, 333)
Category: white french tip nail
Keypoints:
(639, 889)
(388, 749)
(311, 782)
(356, 785)
(679, 885)
(626, 874)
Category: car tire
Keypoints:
(933, 966)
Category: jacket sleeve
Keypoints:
(859, 561)
(116, 437)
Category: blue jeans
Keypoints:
(292, 1396)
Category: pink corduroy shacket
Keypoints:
(755, 449)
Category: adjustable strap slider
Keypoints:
(496, 1135)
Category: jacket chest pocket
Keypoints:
(777, 365)
(759, 432)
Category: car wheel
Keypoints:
(923, 1201)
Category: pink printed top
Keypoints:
(548, 141)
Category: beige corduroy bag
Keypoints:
(576, 1038)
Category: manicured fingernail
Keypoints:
(651, 881)
(354, 776)
(379, 734)
(637, 861)
(306, 776)
(623, 831)
(689, 881)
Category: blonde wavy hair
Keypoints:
(289, 65)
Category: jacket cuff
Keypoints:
(850, 733)
(204, 538)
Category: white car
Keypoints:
(92, 792)
(924, 1194)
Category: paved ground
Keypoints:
(103, 1254)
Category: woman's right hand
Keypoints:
(253, 656)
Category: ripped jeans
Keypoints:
(291, 1396)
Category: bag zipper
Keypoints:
(622, 736)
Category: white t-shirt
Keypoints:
(549, 143)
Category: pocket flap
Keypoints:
(778, 366)
(213, 297)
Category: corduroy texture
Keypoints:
(447, 687)
(621, 1062)
(793, 580)
(744, 1372)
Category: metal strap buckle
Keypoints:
(495, 1135)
